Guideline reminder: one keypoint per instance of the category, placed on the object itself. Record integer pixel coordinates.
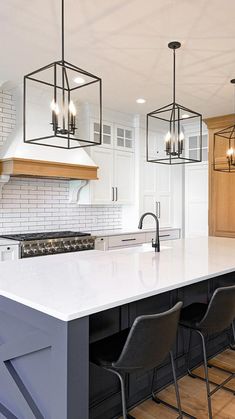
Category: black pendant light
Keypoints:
(168, 128)
(55, 111)
(224, 147)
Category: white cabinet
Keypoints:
(124, 138)
(134, 239)
(107, 132)
(171, 234)
(9, 252)
(115, 184)
(155, 192)
(196, 200)
(120, 137)
(124, 171)
(102, 190)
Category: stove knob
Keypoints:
(28, 251)
(67, 247)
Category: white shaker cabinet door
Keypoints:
(156, 193)
(124, 177)
(163, 195)
(102, 189)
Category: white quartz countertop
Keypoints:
(74, 285)
(8, 242)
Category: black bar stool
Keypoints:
(142, 347)
(205, 320)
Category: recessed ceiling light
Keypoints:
(185, 115)
(79, 80)
(140, 100)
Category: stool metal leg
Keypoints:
(189, 355)
(123, 394)
(232, 345)
(176, 386)
(206, 374)
(157, 400)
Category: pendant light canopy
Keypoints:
(168, 128)
(55, 111)
(224, 147)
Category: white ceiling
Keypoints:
(125, 42)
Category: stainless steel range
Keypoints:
(48, 243)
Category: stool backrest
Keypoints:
(220, 312)
(150, 340)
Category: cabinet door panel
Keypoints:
(124, 138)
(163, 195)
(147, 191)
(102, 188)
(8, 253)
(196, 200)
(124, 177)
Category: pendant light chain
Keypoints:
(62, 31)
(173, 75)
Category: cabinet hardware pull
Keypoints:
(158, 209)
(112, 193)
(8, 248)
(128, 240)
(116, 193)
(165, 235)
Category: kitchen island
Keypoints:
(52, 307)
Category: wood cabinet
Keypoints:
(221, 187)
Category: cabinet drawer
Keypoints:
(126, 240)
(164, 235)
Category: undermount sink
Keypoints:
(146, 247)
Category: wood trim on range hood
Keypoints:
(40, 168)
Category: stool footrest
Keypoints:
(218, 386)
(171, 406)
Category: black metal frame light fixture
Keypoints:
(63, 80)
(224, 147)
(166, 130)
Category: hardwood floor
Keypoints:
(193, 395)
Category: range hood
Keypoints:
(22, 159)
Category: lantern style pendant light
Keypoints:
(55, 106)
(224, 147)
(168, 129)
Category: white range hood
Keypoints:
(23, 159)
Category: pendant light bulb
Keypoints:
(182, 137)
(230, 151)
(72, 108)
(168, 137)
(55, 107)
